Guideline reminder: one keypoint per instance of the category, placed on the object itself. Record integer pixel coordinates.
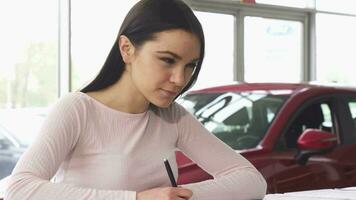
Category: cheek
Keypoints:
(156, 72)
(149, 75)
(143, 68)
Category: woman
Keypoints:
(108, 141)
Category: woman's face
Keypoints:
(162, 67)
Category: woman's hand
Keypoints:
(166, 193)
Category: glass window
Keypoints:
(352, 106)
(217, 67)
(342, 6)
(273, 47)
(327, 115)
(29, 49)
(335, 44)
(238, 119)
(290, 3)
(194, 102)
(94, 30)
(315, 116)
(94, 35)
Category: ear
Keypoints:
(126, 49)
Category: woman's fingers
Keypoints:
(167, 193)
(183, 192)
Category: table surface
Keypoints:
(348, 193)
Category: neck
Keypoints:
(122, 96)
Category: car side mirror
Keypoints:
(315, 139)
(314, 142)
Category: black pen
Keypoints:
(170, 173)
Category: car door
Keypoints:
(346, 151)
(325, 170)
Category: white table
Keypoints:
(326, 194)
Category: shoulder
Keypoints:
(74, 97)
(74, 101)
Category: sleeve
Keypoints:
(234, 176)
(58, 136)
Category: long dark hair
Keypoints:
(145, 19)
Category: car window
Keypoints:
(238, 119)
(194, 102)
(352, 106)
(315, 116)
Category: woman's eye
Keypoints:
(168, 60)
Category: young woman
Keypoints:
(108, 141)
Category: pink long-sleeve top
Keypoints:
(95, 152)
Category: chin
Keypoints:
(162, 104)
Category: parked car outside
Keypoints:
(18, 129)
(299, 136)
(10, 150)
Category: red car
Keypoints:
(299, 136)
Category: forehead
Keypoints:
(181, 42)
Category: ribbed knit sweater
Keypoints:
(87, 150)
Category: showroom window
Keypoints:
(28, 65)
(290, 3)
(92, 40)
(29, 49)
(218, 63)
(273, 47)
(336, 46)
(94, 30)
(341, 6)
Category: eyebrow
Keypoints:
(176, 55)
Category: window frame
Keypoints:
(241, 10)
(334, 105)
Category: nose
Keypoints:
(178, 76)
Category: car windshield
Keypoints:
(240, 119)
(6, 138)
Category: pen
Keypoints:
(170, 173)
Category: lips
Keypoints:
(169, 93)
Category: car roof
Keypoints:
(292, 87)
